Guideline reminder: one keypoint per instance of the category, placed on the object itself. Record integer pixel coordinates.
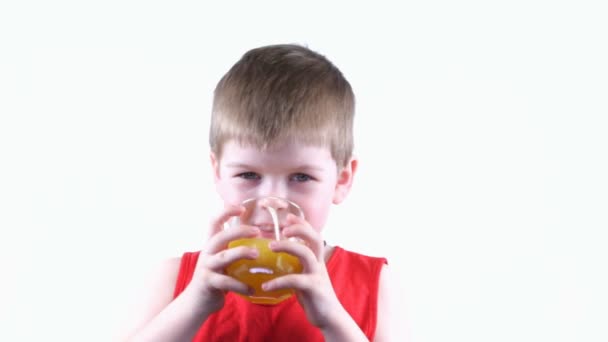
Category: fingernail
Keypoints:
(272, 244)
(265, 287)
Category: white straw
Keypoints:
(275, 220)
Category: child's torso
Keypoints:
(355, 279)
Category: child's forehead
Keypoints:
(287, 151)
(292, 143)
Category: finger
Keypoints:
(220, 240)
(310, 262)
(301, 229)
(217, 223)
(227, 283)
(222, 259)
(290, 281)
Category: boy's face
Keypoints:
(306, 175)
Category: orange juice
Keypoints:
(267, 266)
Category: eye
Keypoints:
(301, 177)
(249, 175)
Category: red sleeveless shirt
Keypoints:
(355, 278)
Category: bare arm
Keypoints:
(313, 286)
(391, 319)
(162, 318)
(343, 328)
(157, 317)
(392, 322)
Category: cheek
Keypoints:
(230, 193)
(316, 212)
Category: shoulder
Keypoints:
(341, 252)
(165, 273)
(159, 284)
(344, 258)
(161, 281)
(168, 269)
(347, 267)
(392, 322)
(378, 284)
(155, 294)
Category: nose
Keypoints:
(276, 203)
(272, 187)
(269, 213)
(282, 206)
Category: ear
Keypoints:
(345, 180)
(215, 166)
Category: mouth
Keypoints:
(267, 230)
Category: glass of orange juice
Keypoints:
(269, 214)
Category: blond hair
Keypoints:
(281, 93)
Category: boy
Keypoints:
(281, 126)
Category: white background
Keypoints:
(481, 131)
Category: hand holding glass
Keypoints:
(269, 215)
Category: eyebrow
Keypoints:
(239, 165)
(299, 167)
